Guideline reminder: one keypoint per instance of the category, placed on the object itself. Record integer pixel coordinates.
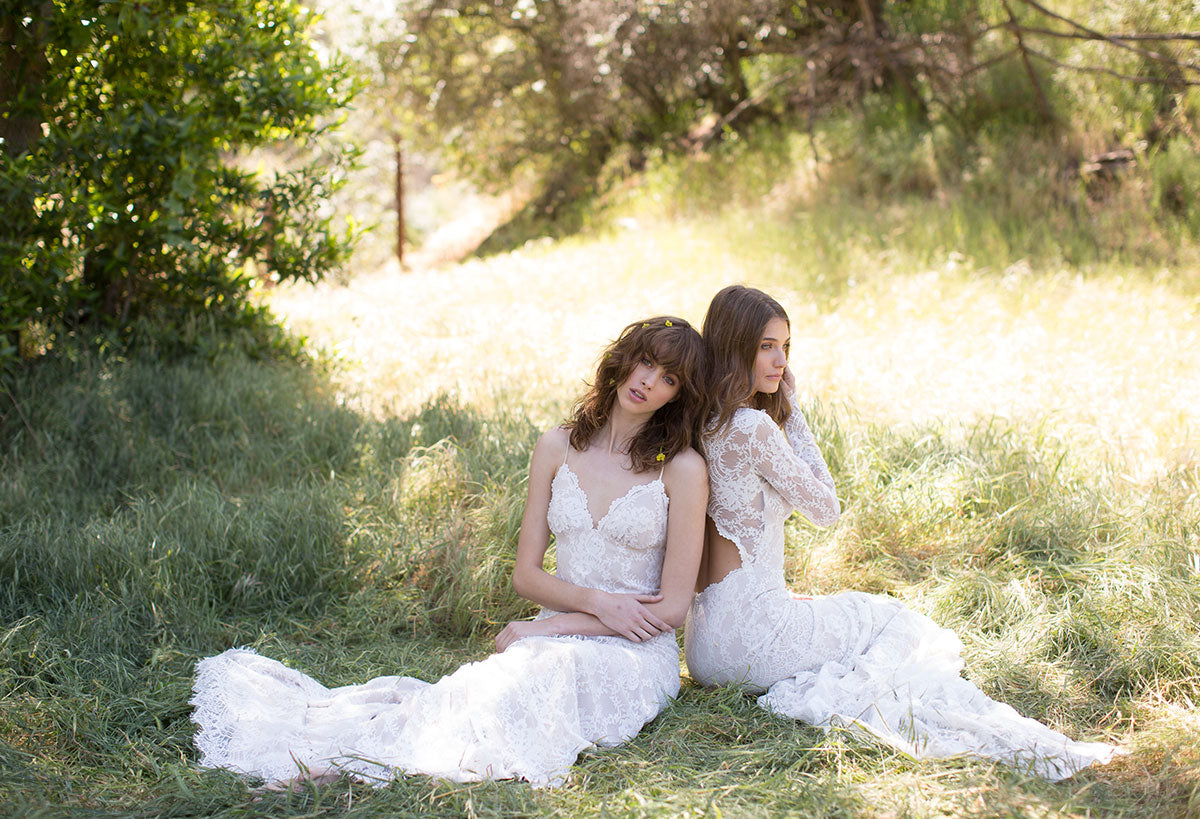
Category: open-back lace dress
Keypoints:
(855, 660)
(524, 713)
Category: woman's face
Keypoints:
(648, 388)
(771, 359)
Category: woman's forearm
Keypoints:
(576, 622)
(539, 586)
(626, 615)
(673, 609)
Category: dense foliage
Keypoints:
(578, 91)
(120, 192)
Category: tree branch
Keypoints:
(1097, 35)
(1043, 104)
(1080, 35)
(1089, 69)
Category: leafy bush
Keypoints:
(119, 193)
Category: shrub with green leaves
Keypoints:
(120, 196)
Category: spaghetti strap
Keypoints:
(567, 451)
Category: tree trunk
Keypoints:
(22, 76)
(1044, 110)
(399, 199)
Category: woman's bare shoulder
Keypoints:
(555, 436)
(551, 447)
(688, 466)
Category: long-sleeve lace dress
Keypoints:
(852, 659)
(524, 713)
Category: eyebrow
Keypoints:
(772, 338)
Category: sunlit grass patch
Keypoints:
(1108, 360)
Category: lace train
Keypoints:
(906, 690)
(525, 713)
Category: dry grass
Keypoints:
(1111, 360)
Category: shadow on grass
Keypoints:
(156, 512)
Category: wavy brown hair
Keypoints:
(733, 328)
(671, 343)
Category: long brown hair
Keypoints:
(733, 328)
(671, 343)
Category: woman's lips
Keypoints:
(636, 395)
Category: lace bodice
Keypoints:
(758, 475)
(623, 552)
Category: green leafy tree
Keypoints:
(121, 192)
(548, 85)
(558, 87)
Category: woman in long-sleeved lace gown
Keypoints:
(623, 492)
(856, 660)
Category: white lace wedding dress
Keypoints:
(855, 660)
(524, 713)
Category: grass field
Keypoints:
(1016, 441)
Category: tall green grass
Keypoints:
(155, 513)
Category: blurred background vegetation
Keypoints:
(229, 415)
(161, 159)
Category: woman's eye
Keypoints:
(670, 381)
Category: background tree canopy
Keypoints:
(120, 194)
(563, 88)
(126, 193)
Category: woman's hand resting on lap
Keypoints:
(520, 628)
(625, 614)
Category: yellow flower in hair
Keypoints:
(660, 457)
(645, 324)
(669, 324)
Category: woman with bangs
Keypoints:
(622, 489)
(860, 661)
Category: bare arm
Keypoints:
(686, 481)
(571, 622)
(626, 615)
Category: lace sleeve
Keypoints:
(806, 487)
(804, 445)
